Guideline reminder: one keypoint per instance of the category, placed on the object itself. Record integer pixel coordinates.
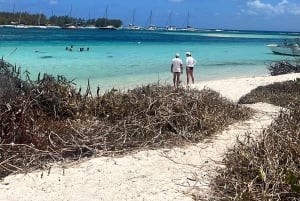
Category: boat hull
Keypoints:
(289, 50)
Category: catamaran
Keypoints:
(132, 26)
(151, 27)
(170, 27)
(188, 27)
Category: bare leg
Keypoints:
(187, 76)
(174, 79)
(178, 79)
(192, 76)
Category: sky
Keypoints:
(269, 15)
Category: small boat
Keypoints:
(289, 49)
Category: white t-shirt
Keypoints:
(176, 62)
(190, 62)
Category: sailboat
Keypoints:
(170, 27)
(90, 26)
(151, 27)
(132, 26)
(19, 25)
(106, 26)
(39, 26)
(71, 25)
(188, 27)
(51, 26)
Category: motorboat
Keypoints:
(286, 48)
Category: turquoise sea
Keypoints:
(128, 58)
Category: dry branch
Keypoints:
(51, 121)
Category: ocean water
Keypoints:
(124, 59)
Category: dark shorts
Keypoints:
(190, 68)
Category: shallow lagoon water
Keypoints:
(123, 59)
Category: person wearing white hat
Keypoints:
(190, 64)
(176, 69)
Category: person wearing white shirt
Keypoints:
(176, 69)
(190, 64)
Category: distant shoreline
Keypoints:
(180, 29)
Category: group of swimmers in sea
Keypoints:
(81, 49)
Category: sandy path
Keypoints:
(234, 88)
(165, 174)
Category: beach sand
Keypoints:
(154, 175)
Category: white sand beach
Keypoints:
(165, 174)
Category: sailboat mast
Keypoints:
(106, 16)
(170, 19)
(188, 20)
(151, 17)
(20, 17)
(133, 16)
(70, 15)
(39, 19)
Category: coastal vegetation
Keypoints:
(284, 67)
(48, 120)
(267, 168)
(7, 18)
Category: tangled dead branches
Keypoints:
(53, 122)
(267, 169)
(283, 67)
(284, 94)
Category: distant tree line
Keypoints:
(7, 18)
